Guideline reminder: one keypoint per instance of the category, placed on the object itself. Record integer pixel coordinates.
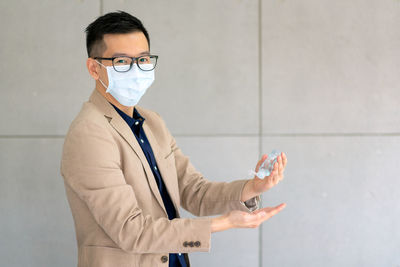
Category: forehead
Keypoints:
(131, 44)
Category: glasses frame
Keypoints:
(134, 59)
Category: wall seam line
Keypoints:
(260, 126)
(101, 7)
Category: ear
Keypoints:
(93, 68)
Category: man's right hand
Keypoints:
(241, 219)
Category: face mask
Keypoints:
(128, 87)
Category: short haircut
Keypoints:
(113, 22)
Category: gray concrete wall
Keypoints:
(317, 79)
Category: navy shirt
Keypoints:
(135, 123)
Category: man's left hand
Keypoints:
(257, 186)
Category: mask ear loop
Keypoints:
(106, 87)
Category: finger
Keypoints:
(284, 158)
(254, 217)
(277, 178)
(280, 163)
(275, 210)
(270, 178)
(276, 168)
(280, 206)
(261, 215)
(274, 173)
(269, 209)
(266, 213)
(261, 161)
(266, 209)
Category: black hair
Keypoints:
(113, 22)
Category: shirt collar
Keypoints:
(131, 121)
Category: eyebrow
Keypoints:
(123, 54)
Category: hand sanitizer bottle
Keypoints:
(268, 165)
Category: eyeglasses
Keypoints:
(124, 63)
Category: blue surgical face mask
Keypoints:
(128, 87)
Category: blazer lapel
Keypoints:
(123, 129)
(171, 184)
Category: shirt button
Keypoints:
(197, 243)
(141, 140)
(180, 254)
(155, 167)
(136, 123)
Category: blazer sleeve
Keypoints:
(90, 166)
(200, 196)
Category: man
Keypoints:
(126, 178)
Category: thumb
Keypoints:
(261, 161)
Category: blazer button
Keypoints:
(197, 243)
(164, 259)
(185, 244)
(191, 244)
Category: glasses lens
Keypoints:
(147, 63)
(122, 64)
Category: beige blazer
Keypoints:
(119, 216)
